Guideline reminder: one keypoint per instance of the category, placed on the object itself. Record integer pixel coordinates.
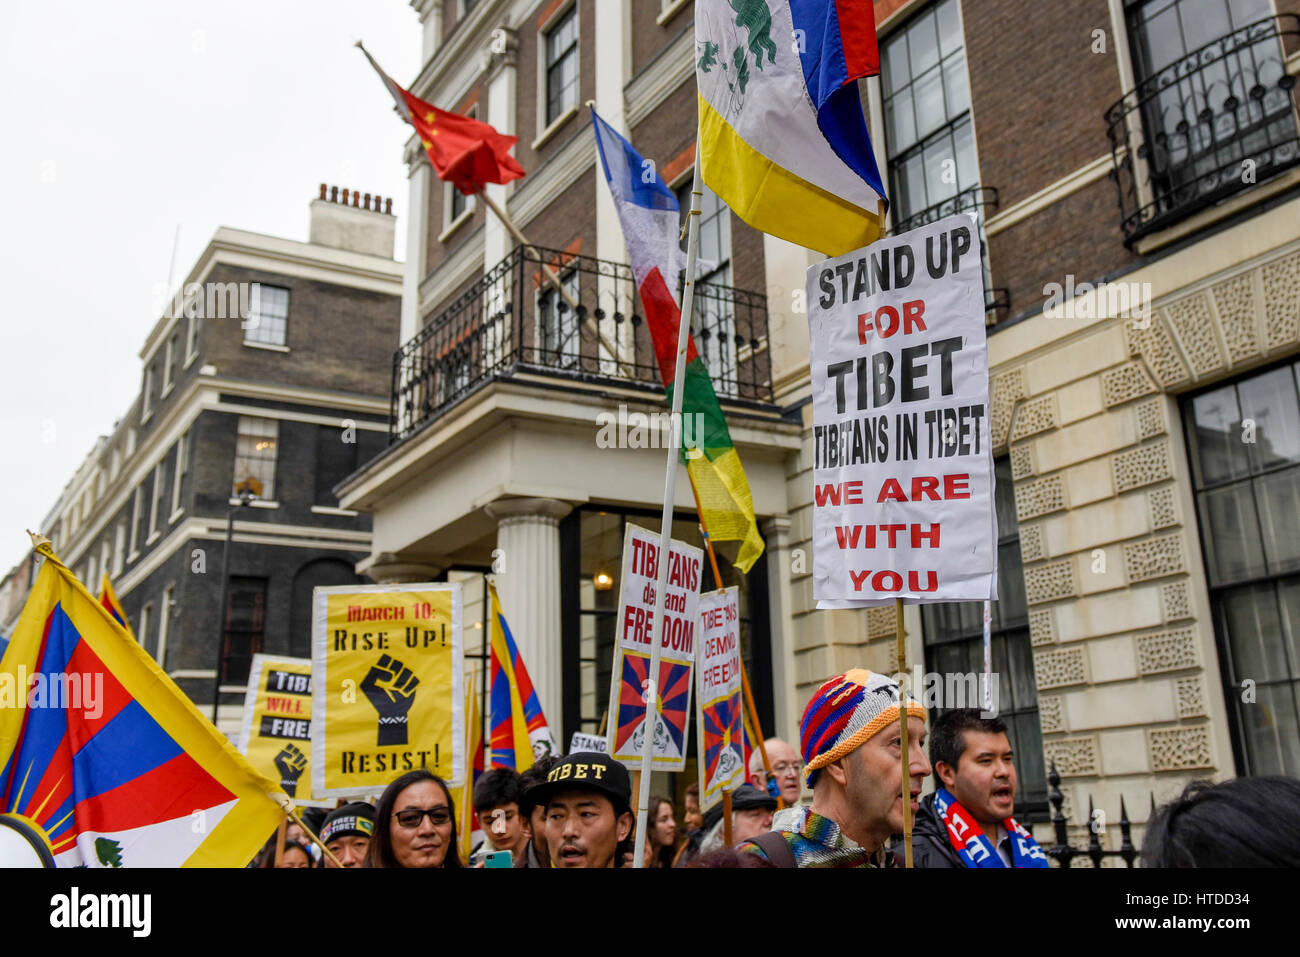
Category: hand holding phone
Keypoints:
(499, 859)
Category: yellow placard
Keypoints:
(276, 733)
(386, 676)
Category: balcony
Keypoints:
(1208, 126)
(978, 201)
(513, 324)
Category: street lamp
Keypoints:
(246, 492)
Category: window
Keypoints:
(169, 357)
(255, 456)
(558, 328)
(182, 465)
(130, 443)
(561, 48)
(714, 323)
(147, 398)
(929, 138)
(164, 620)
(142, 633)
(335, 461)
(1244, 441)
(155, 500)
(137, 502)
(192, 339)
(954, 645)
(119, 548)
(245, 623)
(105, 553)
(268, 316)
(88, 577)
(116, 464)
(457, 203)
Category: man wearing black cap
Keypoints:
(346, 832)
(751, 815)
(588, 814)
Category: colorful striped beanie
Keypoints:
(846, 711)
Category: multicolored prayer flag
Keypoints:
(519, 732)
(468, 830)
(649, 214)
(108, 598)
(102, 752)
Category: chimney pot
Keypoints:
(367, 203)
(388, 205)
(322, 190)
(334, 194)
(356, 198)
(345, 196)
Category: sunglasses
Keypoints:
(411, 816)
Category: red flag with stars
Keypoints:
(463, 151)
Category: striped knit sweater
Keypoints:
(818, 842)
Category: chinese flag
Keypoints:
(462, 150)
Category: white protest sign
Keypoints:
(902, 451)
(586, 742)
(721, 740)
(636, 606)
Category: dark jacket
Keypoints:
(930, 844)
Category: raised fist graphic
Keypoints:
(290, 763)
(389, 686)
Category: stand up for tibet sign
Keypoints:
(276, 733)
(386, 683)
(721, 740)
(636, 606)
(902, 457)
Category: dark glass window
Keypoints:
(1244, 441)
(561, 43)
(268, 316)
(245, 624)
(954, 645)
(714, 325)
(558, 325)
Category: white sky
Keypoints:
(123, 120)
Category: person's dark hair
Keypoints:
(1245, 822)
(534, 776)
(380, 853)
(663, 855)
(728, 857)
(496, 788)
(693, 790)
(946, 734)
(294, 846)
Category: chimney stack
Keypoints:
(353, 222)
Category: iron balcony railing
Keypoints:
(513, 322)
(979, 200)
(1205, 127)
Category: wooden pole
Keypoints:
(280, 833)
(726, 817)
(604, 720)
(744, 673)
(553, 278)
(902, 725)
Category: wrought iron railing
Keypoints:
(514, 322)
(1063, 852)
(978, 200)
(1205, 127)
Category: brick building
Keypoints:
(1133, 165)
(271, 365)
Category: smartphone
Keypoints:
(498, 859)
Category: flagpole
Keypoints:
(666, 525)
(903, 693)
(744, 672)
(551, 276)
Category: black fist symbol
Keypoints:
(392, 699)
(290, 763)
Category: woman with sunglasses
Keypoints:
(415, 824)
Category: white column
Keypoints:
(501, 62)
(430, 13)
(417, 240)
(613, 70)
(786, 709)
(528, 581)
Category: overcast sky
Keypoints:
(124, 120)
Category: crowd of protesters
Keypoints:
(576, 811)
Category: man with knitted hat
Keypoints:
(852, 749)
(347, 831)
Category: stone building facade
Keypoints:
(1141, 221)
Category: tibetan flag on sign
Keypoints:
(463, 151)
(783, 140)
(102, 752)
(519, 732)
(108, 598)
(649, 214)
(468, 831)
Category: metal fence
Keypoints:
(1063, 852)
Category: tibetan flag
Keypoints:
(518, 727)
(468, 831)
(783, 141)
(462, 150)
(649, 214)
(108, 598)
(102, 752)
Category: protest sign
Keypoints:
(636, 606)
(276, 734)
(902, 451)
(386, 681)
(587, 742)
(721, 740)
